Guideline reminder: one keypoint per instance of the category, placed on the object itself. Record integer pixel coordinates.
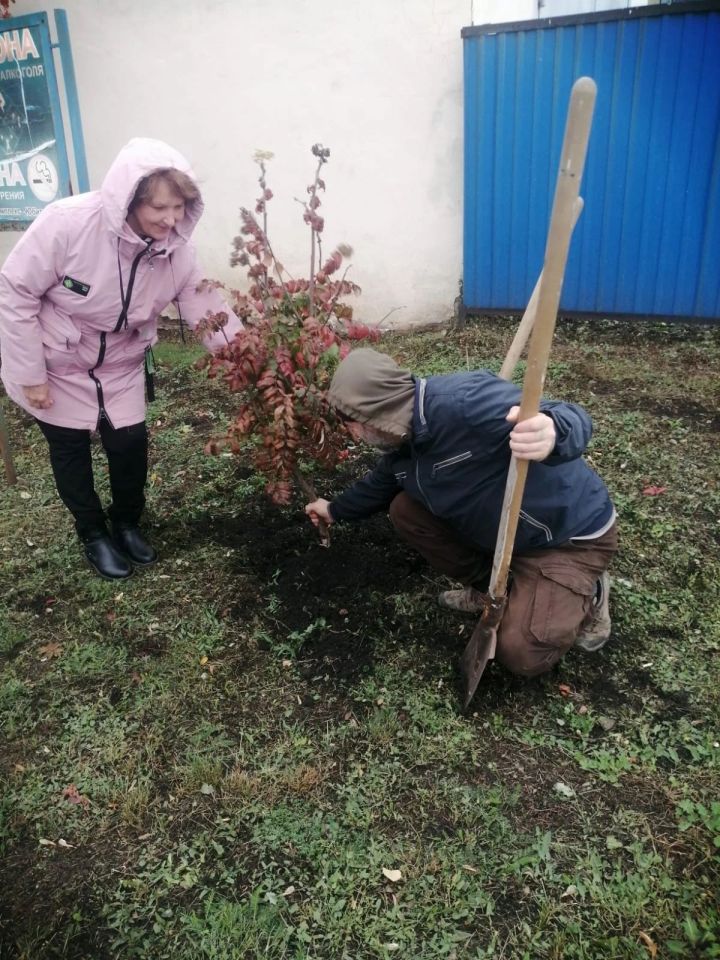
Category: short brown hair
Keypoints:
(178, 181)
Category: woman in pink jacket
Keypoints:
(79, 300)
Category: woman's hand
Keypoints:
(319, 511)
(532, 439)
(39, 396)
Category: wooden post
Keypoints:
(5, 451)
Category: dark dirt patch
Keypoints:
(46, 888)
(328, 602)
(632, 396)
(37, 603)
(337, 598)
(13, 652)
(677, 408)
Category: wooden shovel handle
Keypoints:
(567, 189)
(528, 318)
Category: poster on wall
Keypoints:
(33, 157)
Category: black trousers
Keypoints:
(127, 454)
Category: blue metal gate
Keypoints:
(648, 240)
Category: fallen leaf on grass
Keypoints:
(392, 875)
(24, 495)
(653, 491)
(64, 843)
(50, 650)
(564, 790)
(72, 794)
(46, 843)
(569, 891)
(649, 943)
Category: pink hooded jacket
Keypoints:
(80, 295)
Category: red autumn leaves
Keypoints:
(281, 363)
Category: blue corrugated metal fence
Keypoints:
(648, 240)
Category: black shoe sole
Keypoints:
(135, 563)
(140, 563)
(105, 575)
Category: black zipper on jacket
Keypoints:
(98, 386)
(122, 319)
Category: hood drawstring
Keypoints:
(125, 296)
(176, 301)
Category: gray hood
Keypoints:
(369, 387)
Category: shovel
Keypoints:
(483, 642)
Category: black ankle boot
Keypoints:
(128, 538)
(104, 557)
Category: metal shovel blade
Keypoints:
(481, 647)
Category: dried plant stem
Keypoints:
(313, 240)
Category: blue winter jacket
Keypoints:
(456, 465)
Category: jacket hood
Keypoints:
(138, 159)
(369, 387)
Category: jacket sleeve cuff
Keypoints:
(24, 374)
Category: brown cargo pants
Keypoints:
(551, 591)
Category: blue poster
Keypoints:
(33, 160)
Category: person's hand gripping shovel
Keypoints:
(482, 643)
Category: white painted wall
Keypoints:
(377, 81)
(563, 8)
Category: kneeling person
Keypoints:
(447, 443)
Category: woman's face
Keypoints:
(157, 216)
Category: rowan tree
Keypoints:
(295, 332)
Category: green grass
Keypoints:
(242, 787)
